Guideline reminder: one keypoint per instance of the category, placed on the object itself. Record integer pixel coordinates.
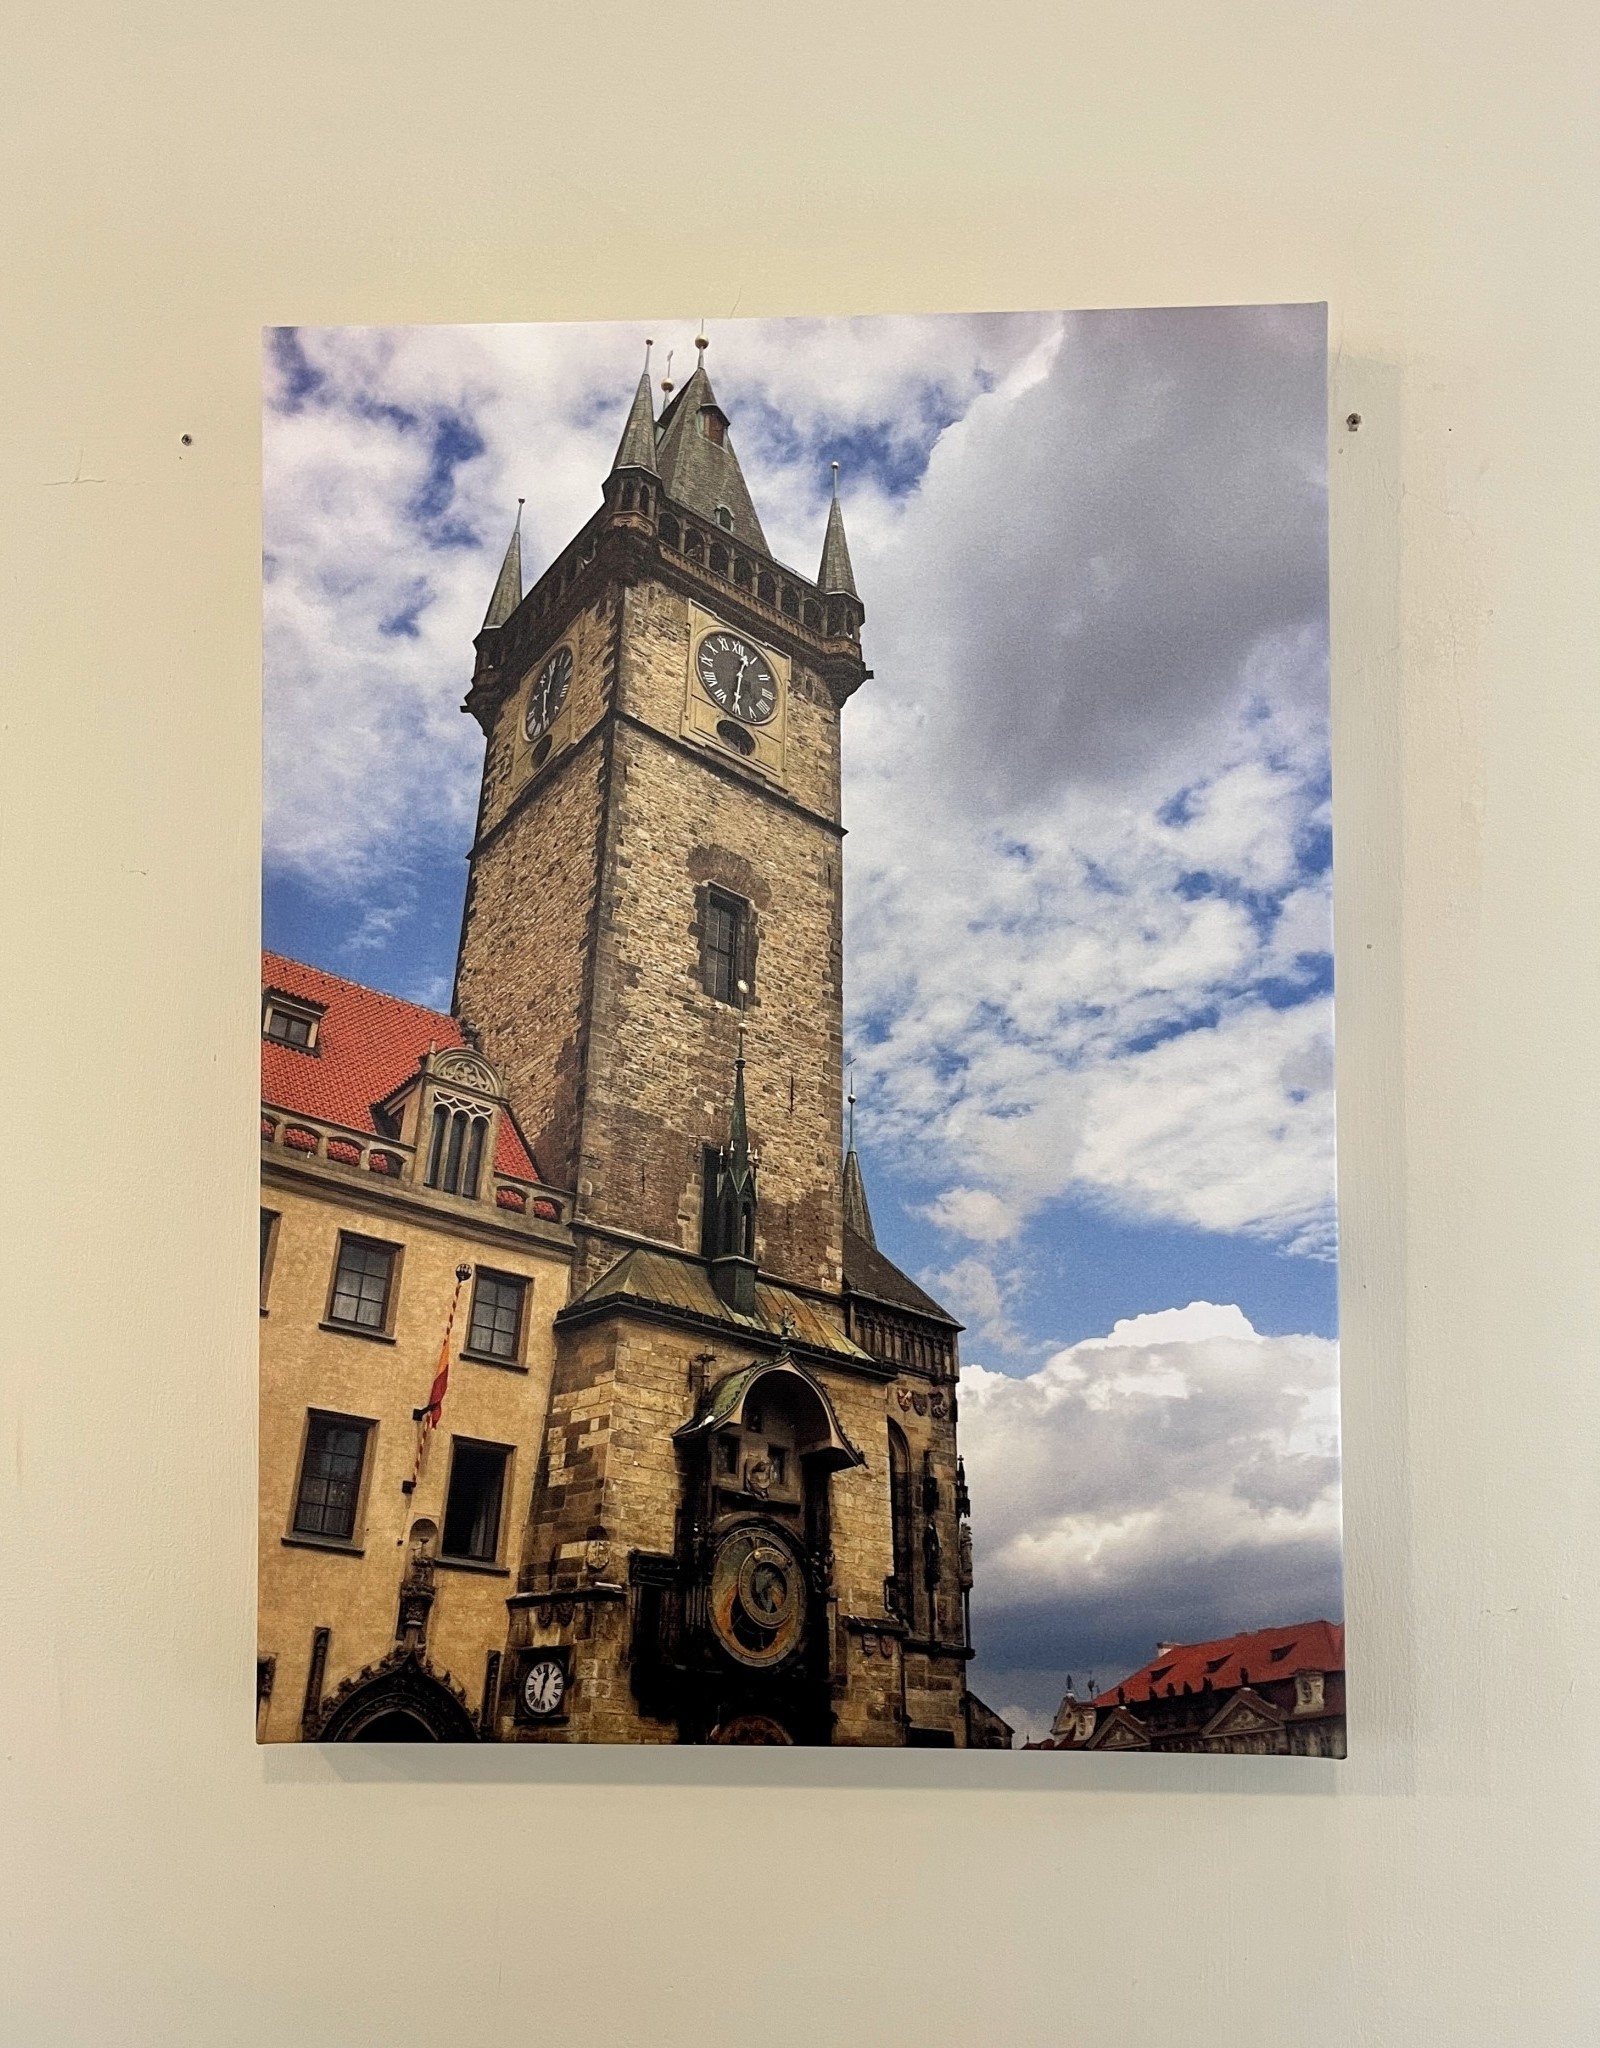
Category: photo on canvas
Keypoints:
(797, 1187)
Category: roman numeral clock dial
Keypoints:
(548, 694)
(737, 678)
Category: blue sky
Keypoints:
(1089, 976)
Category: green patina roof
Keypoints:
(728, 1395)
(679, 1284)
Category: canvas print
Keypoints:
(797, 1183)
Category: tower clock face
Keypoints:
(544, 1687)
(548, 694)
(737, 678)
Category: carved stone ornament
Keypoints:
(937, 1404)
(920, 1403)
(597, 1554)
(758, 1476)
(467, 1070)
(903, 1396)
(403, 1684)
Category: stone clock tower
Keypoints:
(747, 1519)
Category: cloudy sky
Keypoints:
(1089, 978)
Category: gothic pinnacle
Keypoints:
(835, 578)
(508, 584)
(637, 448)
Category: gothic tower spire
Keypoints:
(508, 585)
(857, 1216)
(835, 578)
(637, 448)
(733, 1239)
(697, 465)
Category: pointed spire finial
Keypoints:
(508, 584)
(857, 1216)
(836, 578)
(667, 386)
(637, 448)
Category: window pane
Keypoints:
(723, 919)
(441, 1123)
(330, 1478)
(452, 1164)
(496, 1316)
(361, 1285)
(469, 1180)
(472, 1511)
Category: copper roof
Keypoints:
(680, 1285)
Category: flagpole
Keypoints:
(427, 1418)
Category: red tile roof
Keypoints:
(368, 1043)
(1265, 1654)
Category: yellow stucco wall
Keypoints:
(304, 1365)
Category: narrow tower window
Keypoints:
(727, 954)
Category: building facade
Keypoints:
(1273, 1692)
(591, 1410)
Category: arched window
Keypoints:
(669, 531)
(741, 573)
(694, 545)
(791, 600)
(719, 558)
(725, 519)
(766, 590)
(455, 1149)
(813, 614)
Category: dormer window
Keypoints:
(725, 519)
(287, 1022)
(714, 424)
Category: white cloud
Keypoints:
(976, 1213)
(1177, 1479)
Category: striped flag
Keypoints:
(427, 1418)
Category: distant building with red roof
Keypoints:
(1271, 1692)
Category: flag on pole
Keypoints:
(427, 1417)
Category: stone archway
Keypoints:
(401, 1700)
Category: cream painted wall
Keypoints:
(176, 175)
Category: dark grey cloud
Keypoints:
(1093, 562)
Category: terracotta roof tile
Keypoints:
(368, 1044)
(1265, 1653)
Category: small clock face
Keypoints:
(737, 678)
(544, 1687)
(548, 694)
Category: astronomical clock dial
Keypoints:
(548, 694)
(758, 1598)
(737, 677)
(544, 1687)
